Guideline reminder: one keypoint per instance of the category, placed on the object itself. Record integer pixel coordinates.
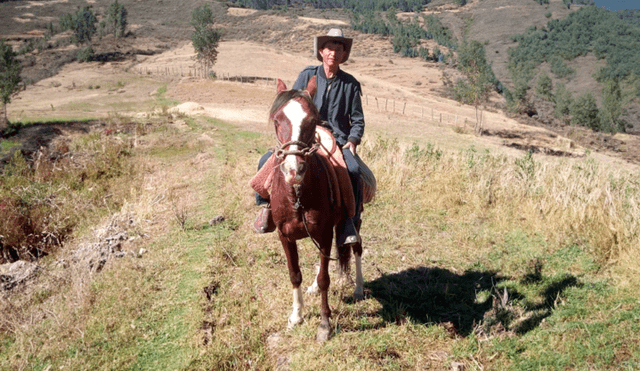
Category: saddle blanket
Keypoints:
(336, 167)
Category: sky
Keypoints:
(618, 4)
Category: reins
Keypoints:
(298, 206)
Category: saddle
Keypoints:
(335, 166)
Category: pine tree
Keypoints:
(117, 18)
(205, 39)
(10, 69)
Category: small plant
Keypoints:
(180, 213)
(85, 54)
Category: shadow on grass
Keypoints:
(551, 295)
(432, 295)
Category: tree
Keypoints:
(205, 39)
(480, 79)
(10, 69)
(117, 19)
(544, 87)
(563, 101)
(584, 112)
(613, 103)
(83, 25)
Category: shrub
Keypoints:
(563, 101)
(84, 25)
(117, 19)
(544, 87)
(584, 112)
(560, 68)
(85, 54)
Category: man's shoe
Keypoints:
(349, 236)
(264, 222)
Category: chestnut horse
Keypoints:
(301, 197)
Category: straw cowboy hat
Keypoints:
(334, 34)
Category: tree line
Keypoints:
(588, 30)
(356, 5)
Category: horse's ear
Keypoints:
(312, 87)
(281, 86)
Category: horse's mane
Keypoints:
(283, 97)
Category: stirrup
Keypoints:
(264, 222)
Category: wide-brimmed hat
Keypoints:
(334, 34)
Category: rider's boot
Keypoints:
(349, 235)
(264, 222)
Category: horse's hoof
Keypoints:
(291, 323)
(324, 332)
(313, 290)
(358, 296)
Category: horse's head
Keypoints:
(295, 118)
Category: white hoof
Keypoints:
(313, 289)
(294, 321)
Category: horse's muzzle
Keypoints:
(293, 171)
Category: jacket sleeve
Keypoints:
(303, 78)
(357, 116)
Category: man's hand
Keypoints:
(351, 146)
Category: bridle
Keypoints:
(305, 150)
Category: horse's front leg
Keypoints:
(291, 251)
(324, 329)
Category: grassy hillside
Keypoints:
(470, 258)
(473, 259)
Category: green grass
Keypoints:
(6, 145)
(457, 269)
(163, 101)
(80, 106)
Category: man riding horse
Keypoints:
(338, 102)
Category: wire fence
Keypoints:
(381, 104)
(199, 72)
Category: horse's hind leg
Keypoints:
(314, 289)
(358, 293)
(344, 271)
(291, 251)
(344, 252)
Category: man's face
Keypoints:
(332, 53)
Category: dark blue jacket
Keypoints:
(343, 106)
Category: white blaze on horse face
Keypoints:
(296, 114)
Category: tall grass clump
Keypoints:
(44, 196)
(574, 201)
